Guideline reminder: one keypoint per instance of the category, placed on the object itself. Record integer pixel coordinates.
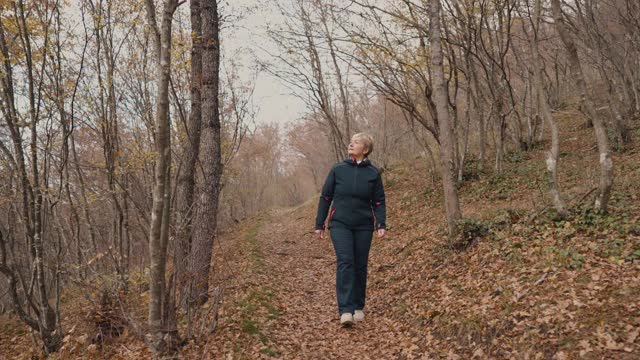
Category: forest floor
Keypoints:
(532, 287)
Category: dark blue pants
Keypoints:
(352, 253)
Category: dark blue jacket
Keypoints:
(357, 194)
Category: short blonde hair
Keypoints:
(367, 140)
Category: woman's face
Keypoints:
(356, 148)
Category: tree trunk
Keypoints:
(159, 210)
(48, 323)
(554, 153)
(186, 181)
(447, 167)
(342, 84)
(322, 93)
(205, 224)
(587, 107)
(36, 295)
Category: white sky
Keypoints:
(243, 41)
(272, 98)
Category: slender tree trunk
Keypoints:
(586, 104)
(482, 127)
(616, 106)
(205, 224)
(554, 153)
(109, 123)
(47, 316)
(466, 131)
(501, 125)
(125, 224)
(447, 167)
(186, 181)
(67, 130)
(342, 84)
(84, 205)
(321, 91)
(160, 207)
(83, 195)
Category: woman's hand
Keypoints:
(320, 234)
(382, 232)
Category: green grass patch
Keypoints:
(250, 327)
(609, 236)
(255, 255)
(269, 351)
(590, 222)
(520, 171)
(257, 306)
(400, 308)
(468, 231)
(253, 307)
(565, 257)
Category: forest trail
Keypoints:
(531, 288)
(294, 283)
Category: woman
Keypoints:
(355, 187)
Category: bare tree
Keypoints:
(597, 24)
(440, 92)
(543, 107)
(158, 240)
(38, 291)
(205, 223)
(185, 208)
(588, 108)
(106, 57)
(305, 64)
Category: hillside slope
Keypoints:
(531, 288)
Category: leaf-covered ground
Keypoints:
(532, 288)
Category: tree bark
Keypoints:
(205, 223)
(321, 90)
(108, 121)
(36, 295)
(48, 319)
(440, 94)
(186, 182)
(543, 105)
(159, 212)
(588, 108)
(342, 84)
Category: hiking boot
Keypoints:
(358, 316)
(346, 319)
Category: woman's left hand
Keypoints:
(382, 232)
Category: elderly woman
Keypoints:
(355, 187)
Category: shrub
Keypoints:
(469, 231)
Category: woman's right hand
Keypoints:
(320, 234)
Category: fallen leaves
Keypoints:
(633, 333)
(539, 291)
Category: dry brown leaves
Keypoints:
(527, 291)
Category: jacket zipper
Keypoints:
(355, 177)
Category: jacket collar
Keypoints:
(353, 162)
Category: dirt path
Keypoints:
(293, 286)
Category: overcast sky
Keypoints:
(245, 41)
